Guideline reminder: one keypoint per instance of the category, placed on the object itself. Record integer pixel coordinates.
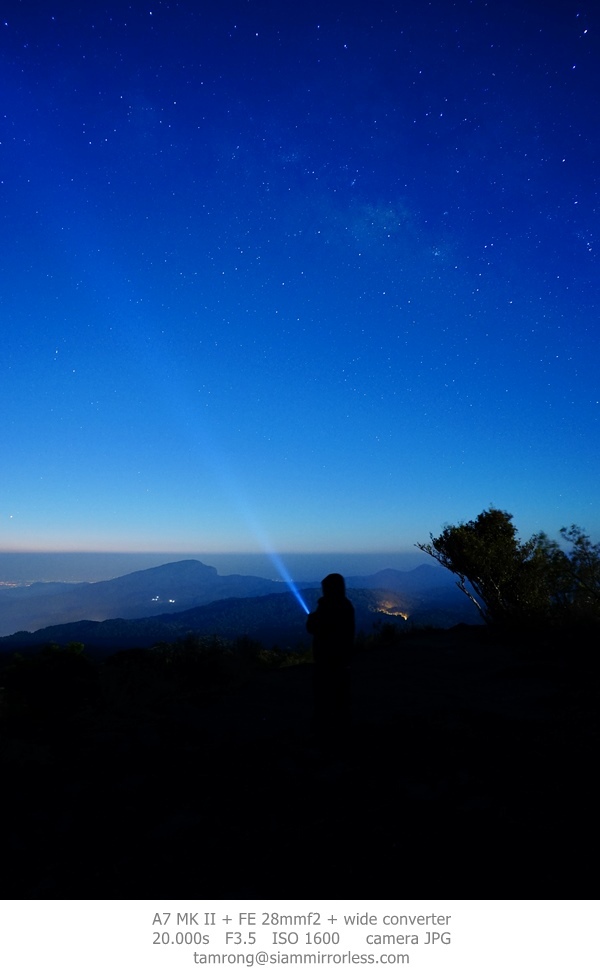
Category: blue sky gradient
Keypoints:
(317, 279)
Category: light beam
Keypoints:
(287, 578)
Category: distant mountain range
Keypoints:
(162, 603)
(172, 587)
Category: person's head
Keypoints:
(334, 586)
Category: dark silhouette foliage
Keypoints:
(154, 769)
(582, 575)
(53, 684)
(515, 582)
(57, 682)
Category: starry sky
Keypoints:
(317, 276)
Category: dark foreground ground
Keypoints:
(469, 770)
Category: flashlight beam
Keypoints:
(287, 578)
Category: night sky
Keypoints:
(323, 275)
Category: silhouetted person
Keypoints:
(332, 627)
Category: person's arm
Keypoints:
(314, 621)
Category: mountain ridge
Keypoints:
(187, 583)
(268, 612)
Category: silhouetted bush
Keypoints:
(187, 667)
(387, 634)
(275, 657)
(52, 684)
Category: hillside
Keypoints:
(468, 766)
(272, 620)
(183, 584)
